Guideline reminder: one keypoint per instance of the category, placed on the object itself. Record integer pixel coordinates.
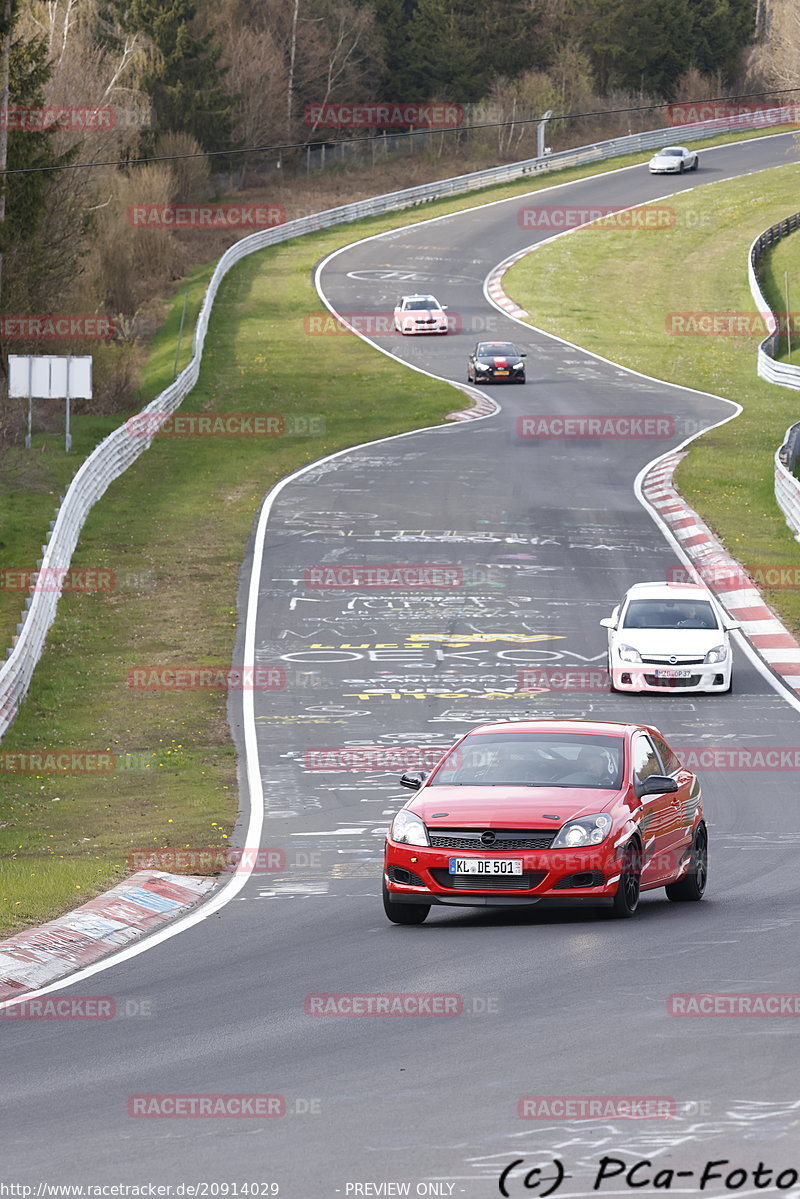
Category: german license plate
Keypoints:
(485, 866)
(673, 674)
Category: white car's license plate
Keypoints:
(485, 866)
(673, 674)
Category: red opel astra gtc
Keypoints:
(547, 809)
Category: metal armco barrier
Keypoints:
(768, 368)
(787, 487)
(115, 454)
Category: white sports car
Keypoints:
(420, 314)
(669, 636)
(673, 160)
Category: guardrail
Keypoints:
(115, 454)
(768, 368)
(786, 485)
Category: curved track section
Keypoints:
(558, 1003)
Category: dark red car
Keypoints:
(547, 809)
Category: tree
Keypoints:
(649, 44)
(184, 79)
(25, 196)
(453, 49)
(720, 31)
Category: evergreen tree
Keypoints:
(639, 44)
(185, 82)
(394, 18)
(721, 29)
(453, 49)
(26, 194)
(443, 61)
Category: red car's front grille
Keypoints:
(505, 839)
(488, 882)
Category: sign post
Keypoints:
(50, 377)
(67, 434)
(30, 404)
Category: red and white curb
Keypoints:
(774, 643)
(145, 901)
(494, 286)
(482, 406)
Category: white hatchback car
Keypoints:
(669, 636)
(420, 314)
(673, 160)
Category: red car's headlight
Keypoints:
(584, 832)
(408, 829)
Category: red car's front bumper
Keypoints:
(420, 874)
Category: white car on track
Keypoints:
(667, 637)
(420, 314)
(673, 160)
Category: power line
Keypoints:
(272, 149)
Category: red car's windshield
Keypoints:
(533, 760)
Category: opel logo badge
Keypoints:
(673, 660)
(488, 838)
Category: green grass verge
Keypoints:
(612, 291)
(173, 528)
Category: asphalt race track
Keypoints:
(560, 1002)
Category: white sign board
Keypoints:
(50, 376)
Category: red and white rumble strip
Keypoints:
(145, 901)
(759, 623)
(482, 406)
(494, 286)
